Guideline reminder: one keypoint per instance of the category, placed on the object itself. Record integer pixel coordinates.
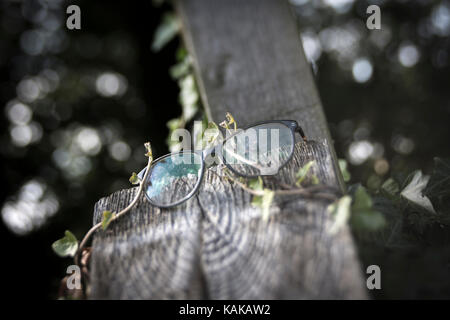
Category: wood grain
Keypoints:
(217, 246)
(248, 61)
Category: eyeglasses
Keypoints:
(258, 150)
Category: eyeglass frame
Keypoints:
(291, 124)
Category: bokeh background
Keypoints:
(78, 105)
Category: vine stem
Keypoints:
(118, 215)
(279, 192)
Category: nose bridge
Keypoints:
(208, 151)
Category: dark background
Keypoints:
(394, 122)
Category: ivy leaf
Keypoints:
(165, 32)
(438, 187)
(188, 97)
(302, 173)
(370, 220)
(210, 134)
(390, 187)
(413, 191)
(256, 184)
(341, 212)
(66, 246)
(181, 53)
(264, 202)
(364, 216)
(439, 184)
(229, 120)
(257, 201)
(181, 69)
(134, 178)
(343, 166)
(174, 124)
(108, 216)
(362, 200)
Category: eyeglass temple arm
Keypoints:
(300, 131)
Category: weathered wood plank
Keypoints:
(249, 61)
(217, 246)
(151, 253)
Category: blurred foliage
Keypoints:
(386, 99)
(78, 104)
(413, 247)
(165, 32)
(364, 216)
(438, 188)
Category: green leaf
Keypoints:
(362, 200)
(181, 69)
(134, 178)
(108, 216)
(390, 187)
(173, 125)
(302, 172)
(256, 184)
(188, 97)
(257, 201)
(341, 212)
(264, 202)
(181, 53)
(165, 32)
(210, 134)
(438, 187)
(413, 191)
(66, 246)
(363, 215)
(439, 184)
(343, 166)
(229, 120)
(370, 220)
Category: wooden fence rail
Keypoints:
(248, 61)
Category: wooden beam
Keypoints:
(249, 61)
